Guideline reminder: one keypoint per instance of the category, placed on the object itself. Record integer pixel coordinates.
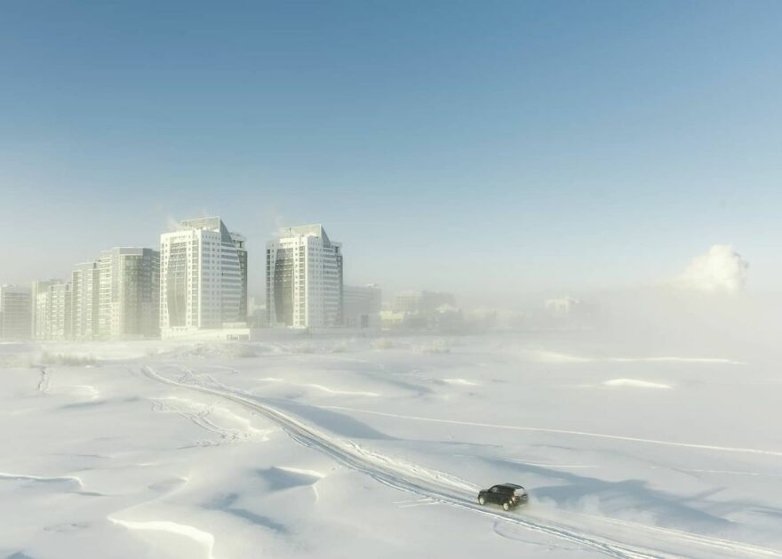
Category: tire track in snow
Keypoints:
(452, 491)
(206, 417)
(730, 546)
(708, 541)
(562, 432)
(409, 477)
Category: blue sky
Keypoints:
(468, 146)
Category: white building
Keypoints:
(129, 293)
(240, 243)
(51, 310)
(304, 279)
(361, 306)
(116, 296)
(202, 281)
(85, 285)
(15, 313)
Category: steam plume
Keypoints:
(720, 270)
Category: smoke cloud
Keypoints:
(720, 270)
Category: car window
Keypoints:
(494, 489)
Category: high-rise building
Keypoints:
(15, 313)
(241, 251)
(304, 279)
(361, 306)
(85, 286)
(129, 293)
(51, 310)
(116, 296)
(202, 281)
(41, 308)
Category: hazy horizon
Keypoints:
(593, 187)
(494, 150)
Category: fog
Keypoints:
(707, 310)
(390, 279)
(709, 306)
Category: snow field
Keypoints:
(339, 447)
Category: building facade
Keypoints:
(129, 293)
(202, 283)
(240, 243)
(304, 279)
(85, 286)
(15, 313)
(51, 310)
(116, 296)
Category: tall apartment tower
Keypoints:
(129, 293)
(202, 281)
(15, 313)
(241, 250)
(51, 310)
(304, 279)
(85, 285)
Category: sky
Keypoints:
(483, 148)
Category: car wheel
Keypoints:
(506, 505)
(481, 500)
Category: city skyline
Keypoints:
(606, 144)
(195, 286)
(391, 278)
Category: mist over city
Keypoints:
(420, 279)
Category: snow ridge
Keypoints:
(205, 539)
(409, 477)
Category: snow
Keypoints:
(635, 383)
(336, 447)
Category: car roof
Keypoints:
(510, 486)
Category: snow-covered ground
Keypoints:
(377, 448)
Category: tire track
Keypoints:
(421, 481)
(732, 547)
(564, 432)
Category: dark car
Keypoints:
(508, 495)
